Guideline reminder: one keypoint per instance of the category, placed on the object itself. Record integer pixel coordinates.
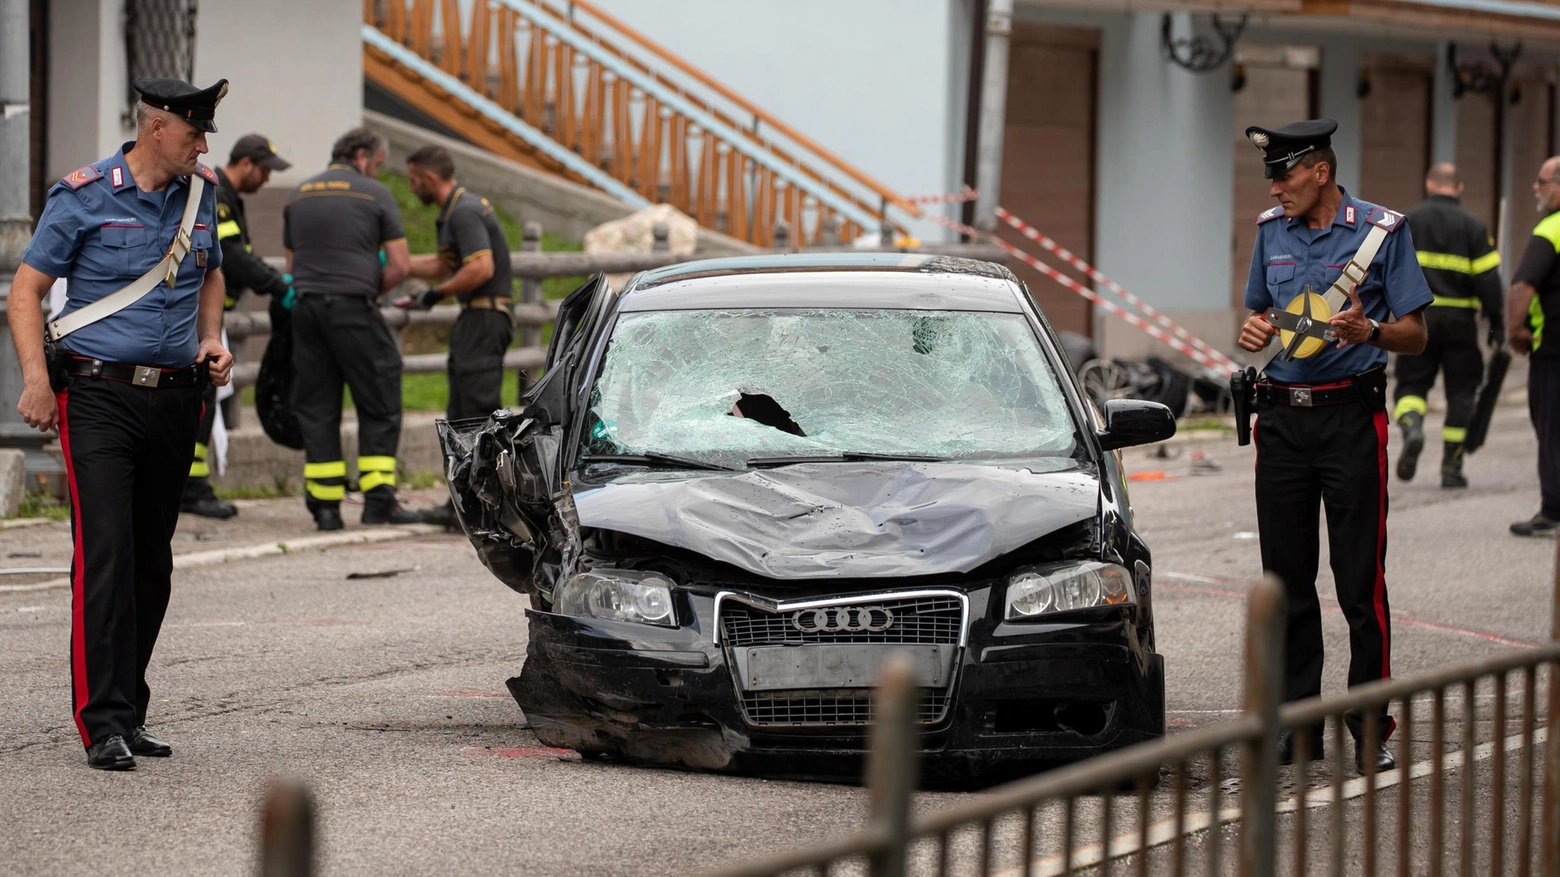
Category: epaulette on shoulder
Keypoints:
(81, 176)
(1384, 218)
(208, 173)
(1270, 214)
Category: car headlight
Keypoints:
(1065, 587)
(617, 595)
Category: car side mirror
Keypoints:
(1130, 422)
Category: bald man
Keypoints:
(1535, 295)
(1461, 265)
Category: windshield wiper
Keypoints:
(656, 457)
(844, 457)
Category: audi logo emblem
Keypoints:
(852, 619)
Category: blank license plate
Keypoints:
(763, 668)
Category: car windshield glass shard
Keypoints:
(653, 457)
(763, 385)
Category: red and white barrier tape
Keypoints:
(1148, 310)
(951, 198)
(1215, 361)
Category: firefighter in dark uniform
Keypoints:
(1321, 430)
(123, 380)
(335, 226)
(1535, 297)
(249, 167)
(1462, 267)
(472, 266)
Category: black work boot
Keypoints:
(1451, 466)
(380, 507)
(441, 515)
(1289, 745)
(1413, 424)
(1538, 525)
(327, 515)
(200, 499)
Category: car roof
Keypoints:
(825, 280)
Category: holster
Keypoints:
(57, 360)
(1243, 399)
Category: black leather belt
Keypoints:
(149, 376)
(1368, 387)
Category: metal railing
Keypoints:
(1504, 823)
(572, 88)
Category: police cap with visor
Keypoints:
(198, 106)
(1283, 148)
(258, 149)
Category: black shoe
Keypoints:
(1413, 424)
(1288, 750)
(380, 507)
(1451, 466)
(143, 743)
(441, 515)
(200, 499)
(1383, 757)
(328, 517)
(110, 753)
(1452, 480)
(1538, 525)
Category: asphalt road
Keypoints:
(386, 694)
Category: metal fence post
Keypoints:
(829, 232)
(660, 238)
(287, 831)
(891, 766)
(1550, 807)
(1259, 757)
(531, 294)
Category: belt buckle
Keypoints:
(1300, 397)
(146, 376)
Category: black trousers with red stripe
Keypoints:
(1331, 458)
(127, 453)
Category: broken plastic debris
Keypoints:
(381, 573)
(1243, 534)
(1202, 464)
(1151, 475)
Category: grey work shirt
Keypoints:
(334, 225)
(467, 229)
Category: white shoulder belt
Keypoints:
(1353, 275)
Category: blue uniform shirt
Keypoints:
(1289, 256)
(100, 232)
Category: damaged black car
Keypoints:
(742, 483)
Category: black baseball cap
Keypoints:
(1282, 148)
(260, 150)
(198, 106)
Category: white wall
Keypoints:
(867, 79)
(295, 73)
(1341, 60)
(86, 83)
(1164, 180)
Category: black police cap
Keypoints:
(1282, 148)
(198, 106)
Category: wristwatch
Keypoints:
(1375, 332)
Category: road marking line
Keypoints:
(219, 556)
(1333, 607)
(1163, 832)
(14, 523)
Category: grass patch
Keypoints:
(431, 392)
(1191, 423)
(38, 504)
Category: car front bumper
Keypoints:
(1041, 693)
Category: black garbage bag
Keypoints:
(273, 387)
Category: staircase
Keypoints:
(567, 88)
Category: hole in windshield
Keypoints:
(730, 386)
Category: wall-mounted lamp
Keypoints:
(1238, 77)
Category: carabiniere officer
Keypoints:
(124, 387)
(1322, 424)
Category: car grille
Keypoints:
(830, 707)
(917, 620)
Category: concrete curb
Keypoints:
(219, 556)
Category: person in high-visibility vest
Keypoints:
(249, 167)
(1535, 295)
(1462, 266)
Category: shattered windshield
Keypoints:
(730, 387)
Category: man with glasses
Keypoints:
(1462, 266)
(1535, 295)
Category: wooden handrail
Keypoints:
(747, 106)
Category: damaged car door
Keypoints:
(503, 470)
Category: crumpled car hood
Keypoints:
(847, 520)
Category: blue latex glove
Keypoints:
(383, 258)
(292, 294)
